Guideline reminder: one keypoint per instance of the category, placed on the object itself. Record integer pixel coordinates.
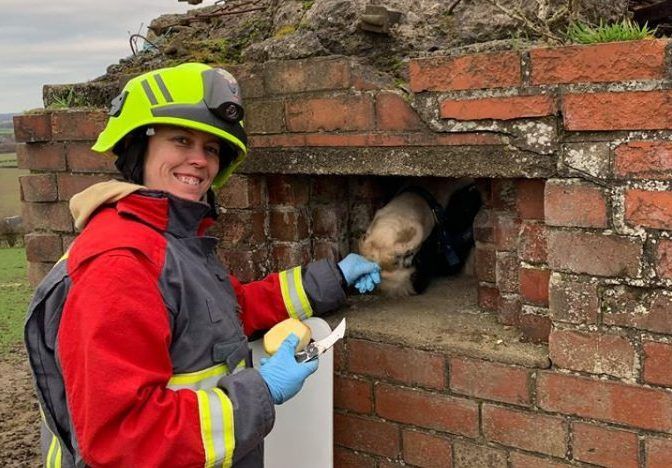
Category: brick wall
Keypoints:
(572, 148)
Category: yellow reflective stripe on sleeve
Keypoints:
(217, 426)
(54, 455)
(294, 296)
(206, 378)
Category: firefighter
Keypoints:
(137, 338)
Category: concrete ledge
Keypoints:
(445, 319)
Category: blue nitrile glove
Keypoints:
(363, 273)
(283, 375)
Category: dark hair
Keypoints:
(130, 153)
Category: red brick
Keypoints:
(37, 272)
(21, 155)
(658, 452)
(298, 76)
(532, 243)
(288, 255)
(277, 141)
(344, 458)
(410, 366)
(43, 247)
(507, 266)
(644, 309)
(597, 353)
(82, 159)
(657, 363)
(69, 125)
(427, 451)
(429, 410)
(507, 229)
(490, 381)
(329, 249)
(509, 309)
(488, 296)
(467, 455)
(38, 188)
(530, 198)
(353, 394)
(615, 61)
(534, 285)
(643, 160)
(484, 226)
(241, 227)
(329, 221)
(573, 302)
(634, 110)
(535, 328)
(47, 216)
(29, 128)
(485, 263)
(330, 114)
(528, 431)
(329, 189)
(246, 265)
(265, 116)
(45, 157)
(629, 405)
(498, 108)
(71, 184)
(243, 192)
(568, 203)
(522, 460)
(249, 77)
(369, 435)
(288, 224)
(340, 357)
(648, 209)
(605, 446)
(394, 113)
(594, 254)
(504, 194)
(498, 70)
(288, 190)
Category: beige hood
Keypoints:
(87, 201)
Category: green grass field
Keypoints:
(10, 193)
(15, 293)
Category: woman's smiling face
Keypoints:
(181, 161)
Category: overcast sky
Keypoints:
(66, 41)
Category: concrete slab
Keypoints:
(445, 319)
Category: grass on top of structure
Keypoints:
(626, 30)
(15, 294)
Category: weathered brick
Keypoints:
(498, 108)
(328, 189)
(329, 221)
(634, 110)
(575, 204)
(648, 208)
(506, 270)
(573, 302)
(69, 124)
(643, 160)
(353, 394)
(534, 285)
(534, 327)
(657, 363)
(330, 114)
(241, 227)
(532, 243)
(658, 452)
(498, 70)
(504, 194)
(71, 184)
(288, 190)
(484, 226)
(340, 356)
(394, 113)
(246, 265)
(429, 410)
(37, 271)
(43, 247)
(243, 192)
(642, 308)
(605, 446)
(488, 296)
(265, 116)
(250, 78)
(490, 381)
(468, 455)
(530, 198)
(369, 435)
(298, 76)
(580, 159)
(410, 366)
(29, 128)
(614, 61)
(594, 254)
(426, 450)
(329, 249)
(523, 460)
(288, 255)
(485, 263)
(629, 405)
(509, 309)
(344, 458)
(288, 224)
(45, 157)
(528, 431)
(38, 188)
(81, 159)
(597, 353)
(507, 229)
(47, 216)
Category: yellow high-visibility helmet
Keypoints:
(192, 95)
